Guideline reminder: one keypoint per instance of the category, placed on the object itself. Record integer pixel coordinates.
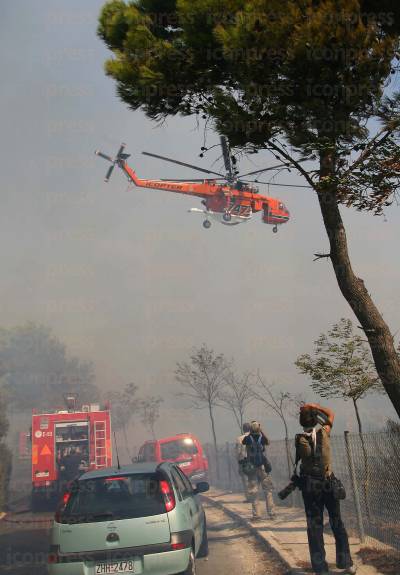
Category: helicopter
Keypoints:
(227, 198)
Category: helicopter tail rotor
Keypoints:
(120, 157)
(109, 172)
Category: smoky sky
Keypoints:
(128, 278)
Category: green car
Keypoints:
(142, 519)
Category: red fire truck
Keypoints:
(67, 442)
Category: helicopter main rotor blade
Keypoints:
(190, 180)
(280, 185)
(98, 153)
(182, 164)
(287, 164)
(261, 171)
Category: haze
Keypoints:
(131, 280)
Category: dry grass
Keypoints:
(305, 566)
(386, 562)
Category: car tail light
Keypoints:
(177, 546)
(178, 541)
(62, 505)
(168, 494)
(107, 479)
(66, 498)
(53, 555)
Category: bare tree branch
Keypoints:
(320, 256)
(149, 408)
(373, 143)
(279, 403)
(205, 377)
(238, 395)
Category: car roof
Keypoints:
(172, 438)
(147, 467)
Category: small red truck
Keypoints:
(183, 449)
(66, 442)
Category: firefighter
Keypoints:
(69, 465)
(259, 476)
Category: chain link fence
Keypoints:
(368, 465)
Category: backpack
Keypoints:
(256, 451)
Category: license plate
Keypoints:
(116, 567)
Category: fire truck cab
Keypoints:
(66, 443)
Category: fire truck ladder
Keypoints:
(100, 451)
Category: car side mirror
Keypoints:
(201, 487)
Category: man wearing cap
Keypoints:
(255, 442)
(317, 486)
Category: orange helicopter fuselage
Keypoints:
(219, 197)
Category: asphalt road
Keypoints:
(24, 543)
(233, 551)
(23, 547)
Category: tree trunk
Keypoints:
(387, 361)
(126, 442)
(241, 422)
(289, 458)
(358, 416)
(214, 439)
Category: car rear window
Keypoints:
(148, 452)
(113, 498)
(178, 448)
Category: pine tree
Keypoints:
(301, 78)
